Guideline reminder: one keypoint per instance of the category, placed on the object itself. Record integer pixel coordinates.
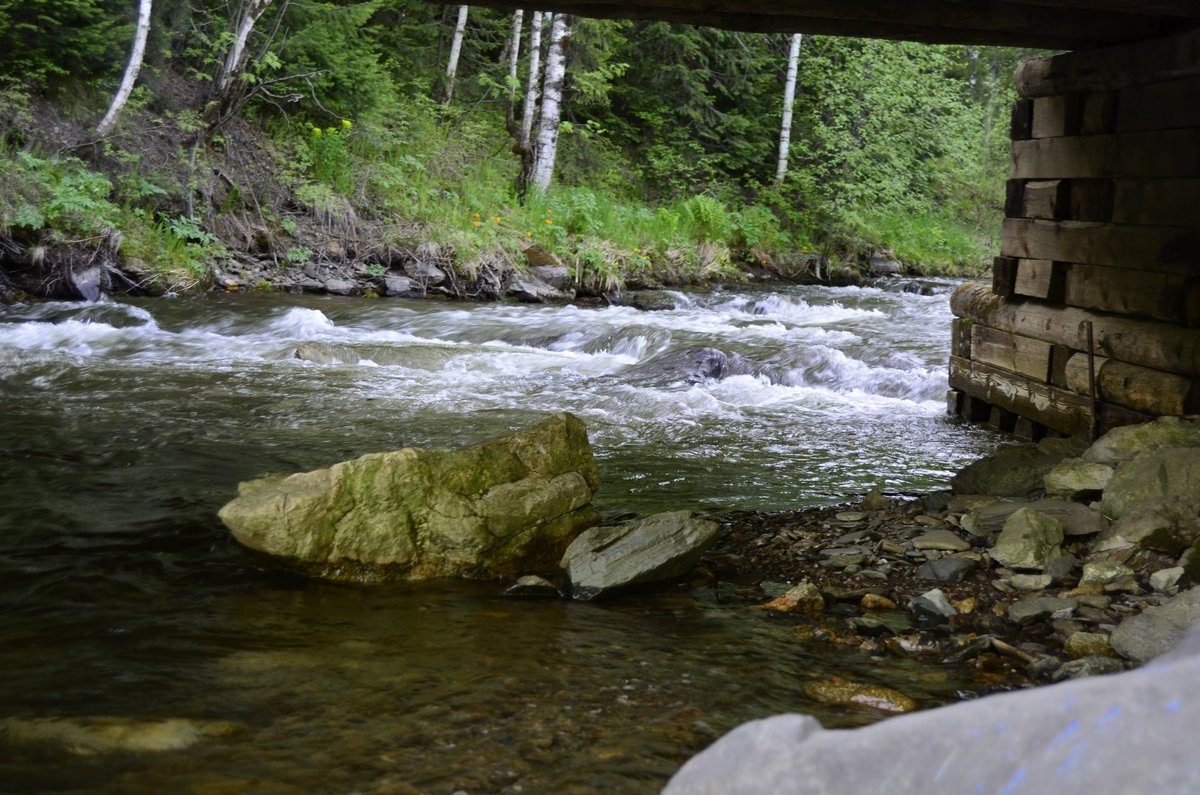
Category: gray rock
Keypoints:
(659, 547)
(883, 264)
(1028, 540)
(531, 289)
(1076, 479)
(943, 540)
(1077, 519)
(1166, 580)
(1130, 732)
(1060, 567)
(1012, 472)
(691, 365)
(1088, 644)
(1165, 524)
(1027, 611)
(1104, 572)
(1030, 582)
(88, 282)
(397, 286)
(932, 607)
(557, 276)
(491, 510)
(1122, 444)
(948, 570)
(424, 272)
(1150, 475)
(339, 286)
(1088, 666)
(1157, 629)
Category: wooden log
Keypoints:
(1159, 106)
(1090, 200)
(1150, 248)
(1161, 346)
(1164, 154)
(1111, 68)
(1048, 199)
(1058, 409)
(1024, 355)
(1039, 278)
(1004, 275)
(1014, 198)
(1099, 114)
(1138, 388)
(1059, 356)
(1157, 202)
(1021, 125)
(1057, 116)
(1172, 297)
(960, 337)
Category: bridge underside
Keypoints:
(1092, 319)
(1048, 24)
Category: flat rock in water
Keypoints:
(1157, 629)
(1129, 732)
(492, 510)
(659, 547)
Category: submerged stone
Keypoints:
(88, 736)
(858, 694)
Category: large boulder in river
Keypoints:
(493, 510)
(1127, 732)
(659, 547)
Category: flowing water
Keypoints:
(127, 424)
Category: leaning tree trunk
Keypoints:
(131, 71)
(514, 58)
(460, 30)
(552, 90)
(229, 88)
(789, 98)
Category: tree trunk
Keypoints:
(523, 136)
(455, 51)
(131, 71)
(789, 97)
(514, 57)
(552, 90)
(229, 89)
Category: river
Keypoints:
(127, 424)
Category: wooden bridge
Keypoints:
(1092, 319)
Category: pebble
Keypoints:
(1166, 580)
(873, 601)
(857, 694)
(1087, 666)
(850, 516)
(1030, 582)
(1104, 572)
(948, 570)
(943, 540)
(1027, 611)
(1088, 644)
(805, 598)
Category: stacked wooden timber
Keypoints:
(1093, 316)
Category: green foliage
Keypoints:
(59, 193)
(175, 246)
(46, 41)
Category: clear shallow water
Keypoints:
(126, 425)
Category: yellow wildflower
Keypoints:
(549, 220)
(474, 223)
(346, 124)
(316, 130)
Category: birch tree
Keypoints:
(789, 99)
(460, 30)
(551, 112)
(131, 71)
(514, 58)
(533, 90)
(229, 88)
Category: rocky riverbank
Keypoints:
(1043, 563)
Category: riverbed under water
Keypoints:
(127, 424)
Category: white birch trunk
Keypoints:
(514, 54)
(460, 30)
(131, 71)
(235, 59)
(535, 76)
(789, 98)
(551, 116)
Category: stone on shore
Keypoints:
(805, 599)
(1028, 540)
(1128, 732)
(1122, 444)
(1076, 479)
(1012, 472)
(492, 510)
(1077, 519)
(1157, 629)
(664, 546)
(1154, 474)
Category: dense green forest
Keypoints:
(337, 135)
